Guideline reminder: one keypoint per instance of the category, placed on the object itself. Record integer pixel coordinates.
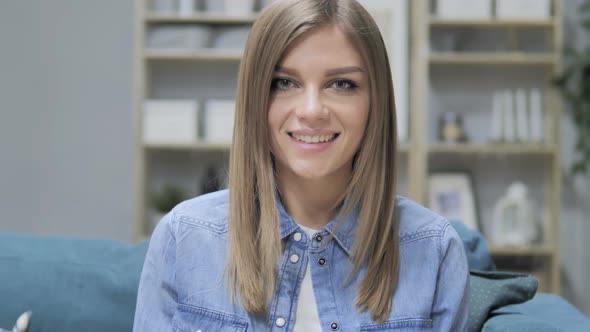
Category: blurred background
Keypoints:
(89, 92)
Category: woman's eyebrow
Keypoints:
(291, 72)
(329, 72)
(344, 70)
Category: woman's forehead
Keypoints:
(327, 46)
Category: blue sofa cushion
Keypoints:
(490, 290)
(70, 284)
(476, 248)
(544, 313)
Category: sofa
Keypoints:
(86, 284)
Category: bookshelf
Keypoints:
(538, 163)
(421, 154)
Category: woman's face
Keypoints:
(319, 105)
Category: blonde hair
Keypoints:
(254, 228)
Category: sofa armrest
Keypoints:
(544, 313)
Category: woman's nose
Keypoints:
(312, 106)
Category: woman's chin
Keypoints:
(313, 172)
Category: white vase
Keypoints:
(514, 221)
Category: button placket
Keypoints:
(294, 254)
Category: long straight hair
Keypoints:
(254, 228)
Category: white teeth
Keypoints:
(314, 139)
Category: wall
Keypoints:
(66, 117)
(66, 128)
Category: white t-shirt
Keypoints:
(306, 318)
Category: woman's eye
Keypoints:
(281, 84)
(344, 85)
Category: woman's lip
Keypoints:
(311, 147)
(312, 132)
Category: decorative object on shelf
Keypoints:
(514, 221)
(239, 7)
(219, 120)
(517, 116)
(170, 121)
(508, 118)
(522, 117)
(464, 9)
(214, 6)
(523, 9)
(186, 7)
(574, 83)
(536, 116)
(392, 19)
(497, 127)
(164, 201)
(451, 195)
(212, 181)
(230, 37)
(230, 7)
(446, 41)
(164, 6)
(178, 36)
(450, 128)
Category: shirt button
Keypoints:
(294, 258)
(318, 238)
(334, 326)
(280, 322)
(322, 261)
(297, 236)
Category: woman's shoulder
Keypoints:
(209, 211)
(418, 222)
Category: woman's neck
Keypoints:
(311, 201)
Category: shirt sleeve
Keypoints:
(156, 298)
(451, 302)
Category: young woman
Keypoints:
(311, 235)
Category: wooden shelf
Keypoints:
(198, 146)
(492, 149)
(204, 54)
(492, 58)
(533, 250)
(490, 23)
(204, 18)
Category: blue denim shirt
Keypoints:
(183, 286)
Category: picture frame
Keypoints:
(451, 195)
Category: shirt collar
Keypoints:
(344, 232)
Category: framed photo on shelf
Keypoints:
(451, 195)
